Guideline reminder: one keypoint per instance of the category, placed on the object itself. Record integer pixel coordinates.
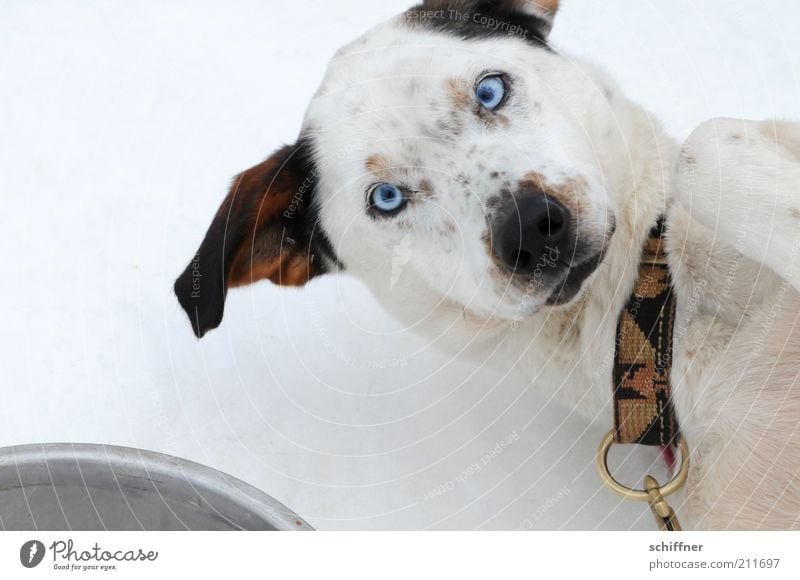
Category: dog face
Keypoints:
(446, 147)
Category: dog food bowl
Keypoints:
(62, 487)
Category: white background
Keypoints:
(121, 124)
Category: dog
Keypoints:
(529, 185)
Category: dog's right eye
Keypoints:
(387, 199)
(491, 91)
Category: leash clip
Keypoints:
(665, 516)
(654, 493)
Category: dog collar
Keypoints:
(643, 412)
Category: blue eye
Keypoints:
(491, 91)
(387, 198)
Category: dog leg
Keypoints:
(741, 180)
(744, 428)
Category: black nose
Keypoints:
(537, 230)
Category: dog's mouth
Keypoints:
(569, 287)
(559, 285)
(572, 283)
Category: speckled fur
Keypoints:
(394, 105)
(570, 124)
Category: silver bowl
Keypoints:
(60, 487)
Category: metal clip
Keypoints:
(653, 493)
(665, 516)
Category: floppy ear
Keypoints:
(266, 229)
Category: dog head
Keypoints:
(447, 147)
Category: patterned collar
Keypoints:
(643, 412)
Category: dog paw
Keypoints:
(741, 179)
(732, 173)
(713, 176)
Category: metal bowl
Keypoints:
(59, 487)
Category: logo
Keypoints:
(32, 553)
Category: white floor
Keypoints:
(120, 126)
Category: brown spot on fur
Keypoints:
(425, 187)
(796, 214)
(568, 193)
(784, 133)
(690, 160)
(285, 268)
(550, 6)
(378, 165)
(460, 93)
(267, 253)
(493, 119)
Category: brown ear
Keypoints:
(265, 229)
(544, 9)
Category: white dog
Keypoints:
(529, 185)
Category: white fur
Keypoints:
(733, 244)
(737, 229)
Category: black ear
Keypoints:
(265, 229)
(530, 19)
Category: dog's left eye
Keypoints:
(387, 198)
(491, 91)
